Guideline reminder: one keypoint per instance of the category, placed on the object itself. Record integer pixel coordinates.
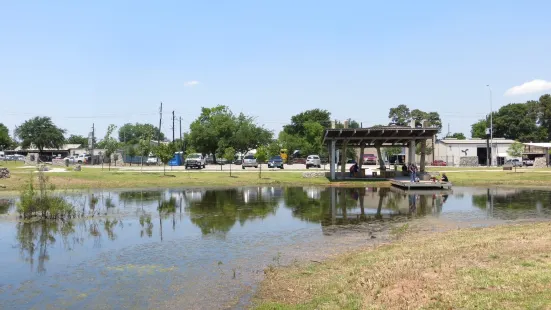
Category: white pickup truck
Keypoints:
(151, 160)
(196, 160)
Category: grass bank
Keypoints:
(505, 267)
(525, 177)
(95, 178)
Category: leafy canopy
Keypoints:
(133, 133)
(40, 132)
(5, 139)
(458, 136)
(516, 149)
(77, 139)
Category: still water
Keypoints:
(207, 249)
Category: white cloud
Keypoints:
(534, 86)
(191, 83)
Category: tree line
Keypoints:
(217, 130)
(525, 122)
(213, 132)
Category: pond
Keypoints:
(207, 249)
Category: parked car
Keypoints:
(249, 161)
(151, 160)
(83, 158)
(195, 160)
(513, 162)
(439, 162)
(238, 162)
(70, 159)
(275, 162)
(528, 162)
(313, 161)
(370, 159)
(19, 157)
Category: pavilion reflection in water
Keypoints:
(358, 205)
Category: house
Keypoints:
(451, 150)
(47, 154)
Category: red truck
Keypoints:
(370, 159)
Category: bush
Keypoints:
(39, 202)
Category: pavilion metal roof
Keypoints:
(391, 135)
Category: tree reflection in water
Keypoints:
(34, 240)
(219, 210)
(5, 205)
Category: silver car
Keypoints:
(313, 161)
(249, 161)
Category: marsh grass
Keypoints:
(504, 267)
(37, 200)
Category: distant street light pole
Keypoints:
(491, 128)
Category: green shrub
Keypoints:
(39, 202)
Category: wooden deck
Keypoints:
(420, 185)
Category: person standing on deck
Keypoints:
(413, 172)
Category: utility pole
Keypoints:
(491, 128)
(181, 138)
(448, 130)
(160, 122)
(93, 135)
(172, 126)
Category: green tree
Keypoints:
(323, 117)
(515, 150)
(351, 124)
(518, 121)
(273, 148)
(144, 148)
(246, 135)
(400, 115)
(131, 152)
(5, 139)
(132, 133)
(261, 157)
(77, 139)
(164, 152)
(313, 138)
(229, 155)
(40, 132)
(458, 136)
(109, 143)
(545, 110)
(478, 129)
(215, 126)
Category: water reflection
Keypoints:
(5, 205)
(218, 211)
(153, 216)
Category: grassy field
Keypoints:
(96, 178)
(505, 267)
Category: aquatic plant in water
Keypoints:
(40, 202)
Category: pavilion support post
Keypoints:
(423, 155)
(361, 160)
(411, 152)
(343, 159)
(332, 155)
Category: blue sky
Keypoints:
(108, 62)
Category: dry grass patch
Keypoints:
(491, 268)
